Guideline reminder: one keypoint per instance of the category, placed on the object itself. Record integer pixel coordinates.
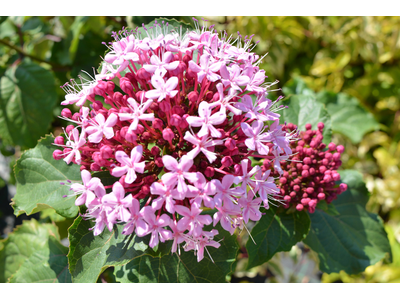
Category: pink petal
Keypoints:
(170, 163)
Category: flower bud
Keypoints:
(69, 129)
(59, 140)
(193, 96)
(155, 151)
(340, 148)
(106, 152)
(209, 172)
(66, 113)
(143, 74)
(230, 143)
(227, 161)
(331, 147)
(94, 167)
(58, 154)
(175, 120)
(159, 162)
(165, 106)
(157, 124)
(168, 134)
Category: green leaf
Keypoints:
(27, 98)
(297, 86)
(276, 232)
(38, 177)
(173, 25)
(352, 240)
(348, 117)
(134, 261)
(303, 109)
(26, 240)
(105, 177)
(48, 265)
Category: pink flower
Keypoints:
(250, 207)
(266, 186)
(78, 142)
(135, 220)
(192, 219)
(86, 190)
(102, 127)
(123, 51)
(225, 192)
(252, 109)
(207, 68)
(163, 89)
(223, 215)
(206, 120)
(118, 203)
(224, 101)
(178, 237)
(201, 243)
(231, 76)
(156, 226)
(130, 165)
(201, 191)
(201, 146)
(179, 171)
(160, 67)
(167, 194)
(245, 180)
(280, 139)
(137, 114)
(256, 137)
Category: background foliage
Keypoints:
(347, 67)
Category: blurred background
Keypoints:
(355, 59)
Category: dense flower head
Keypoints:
(176, 118)
(309, 176)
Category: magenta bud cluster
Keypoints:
(310, 176)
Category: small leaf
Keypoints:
(90, 255)
(303, 109)
(352, 240)
(38, 177)
(276, 232)
(22, 243)
(27, 98)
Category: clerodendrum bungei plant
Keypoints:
(180, 149)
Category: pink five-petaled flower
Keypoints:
(201, 191)
(206, 120)
(137, 114)
(96, 130)
(225, 192)
(123, 52)
(231, 76)
(207, 68)
(79, 141)
(135, 220)
(130, 165)
(202, 145)
(160, 67)
(163, 89)
(279, 138)
(118, 203)
(251, 208)
(265, 186)
(256, 137)
(156, 226)
(252, 109)
(224, 101)
(223, 215)
(192, 219)
(179, 171)
(199, 244)
(245, 180)
(177, 236)
(86, 190)
(167, 194)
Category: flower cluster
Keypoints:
(309, 176)
(178, 130)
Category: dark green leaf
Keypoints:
(22, 243)
(38, 177)
(352, 240)
(276, 232)
(27, 98)
(305, 109)
(348, 117)
(134, 261)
